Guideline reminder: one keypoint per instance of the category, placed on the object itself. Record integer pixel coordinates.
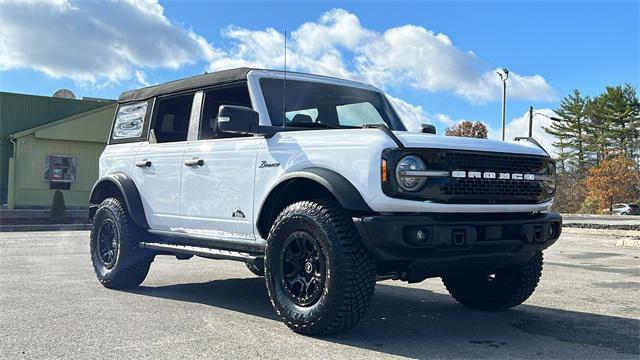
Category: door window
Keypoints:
(228, 95)
(171, 120)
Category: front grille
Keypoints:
(491, 190)
(467, 190)
(477, 161)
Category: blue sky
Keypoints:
(554, 46)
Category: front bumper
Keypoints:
(452, 242)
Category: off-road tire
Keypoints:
(508, 288)
(350, 274)
(255, 269)
(131, 263)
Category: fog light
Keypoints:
(552, 231)
(418, 236)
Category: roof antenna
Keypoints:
(284, 84)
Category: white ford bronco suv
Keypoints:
(316, 185)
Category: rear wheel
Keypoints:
(319, 276)
(117, 259)
(257, 268)
(504, 289)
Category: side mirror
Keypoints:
(237, 120)
(428, 129)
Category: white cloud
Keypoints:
(446, 120)
(408, 55)
(141, 77)
(520, 127)
(412, 116)
(94, 42)
(102, 42)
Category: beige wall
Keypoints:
(30, 187)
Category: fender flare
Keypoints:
(342, 189)
(129, 191)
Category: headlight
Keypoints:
(403, 173)
(549, 180)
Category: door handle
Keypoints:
(194, 162)
(143, 163)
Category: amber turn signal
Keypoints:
(384, 172)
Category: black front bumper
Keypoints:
(458, 242)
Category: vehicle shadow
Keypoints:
(420, 323)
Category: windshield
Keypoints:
(318, 105)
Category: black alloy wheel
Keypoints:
(118, 260)
(320, 277)
(303, 267)
(108, 243)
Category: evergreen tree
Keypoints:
(618, 109)
(597, 137)
(571, 132)
(58, 207)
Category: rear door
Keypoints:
(159, 161)
(219, 170)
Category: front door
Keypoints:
(219, 170)
(217, 188)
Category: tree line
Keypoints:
(598, 139)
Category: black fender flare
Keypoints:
(129, 191)
(342, 189)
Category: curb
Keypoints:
(601, 232)
(45, 227)
(628, 243)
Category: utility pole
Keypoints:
(530, 121)
(504, 75)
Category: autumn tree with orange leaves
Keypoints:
(468, 129)
(614, 180)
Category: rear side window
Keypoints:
(129, 122)
(171, 120)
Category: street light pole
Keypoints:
(530, 121)
(532, 114)
(504, 75)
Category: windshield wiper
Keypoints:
(314, 125)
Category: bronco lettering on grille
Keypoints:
(492, 175)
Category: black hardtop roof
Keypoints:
(198, 81)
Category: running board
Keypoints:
(200, 251)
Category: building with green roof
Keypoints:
(20, 112)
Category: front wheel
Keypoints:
(504, 289)
(117, 259)
(320, 278)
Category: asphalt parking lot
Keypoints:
(587, 306)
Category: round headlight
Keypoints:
(405, 179)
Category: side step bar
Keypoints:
(200, 251)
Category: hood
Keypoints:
(419, 140)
